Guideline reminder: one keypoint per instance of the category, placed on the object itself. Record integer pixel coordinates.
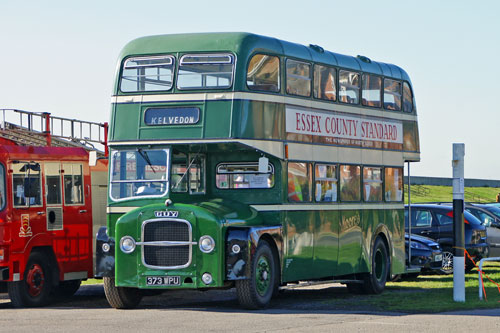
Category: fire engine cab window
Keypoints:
(53, 183)
(73, 184)
(26, 183)
(2, 187)
(299, 182)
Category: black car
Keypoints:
(436, 221)
(425, 253)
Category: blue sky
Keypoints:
(60, 56)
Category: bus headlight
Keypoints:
(207, 278)
(207, 244)
(127, 244)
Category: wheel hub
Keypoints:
(35, 280)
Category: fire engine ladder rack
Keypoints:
(28, 128)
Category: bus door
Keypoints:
(76, 224)
(28, 211)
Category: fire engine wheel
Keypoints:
(256, 292)
(120, 297)
(34, 290)
(374, 282)
(68, 288)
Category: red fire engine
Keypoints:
(51, 204)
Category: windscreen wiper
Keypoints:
(145, 156)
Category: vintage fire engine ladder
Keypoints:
(27, 128)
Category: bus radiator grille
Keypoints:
(167, 256)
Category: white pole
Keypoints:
(458, 223)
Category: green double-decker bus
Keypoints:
(238, 160)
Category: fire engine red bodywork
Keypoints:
(72, 245)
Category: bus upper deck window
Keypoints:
(370, 95)
(392, 95)
(407, 98)
(264, 73)
(324, 83)
(147, 74)
(298, 78)
(205, 71)
(349, 87)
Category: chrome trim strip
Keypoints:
(165, 243)
(155, 243)
(326, 206)
(307, 103)
(121, 210)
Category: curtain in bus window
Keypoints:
(298, 78)
(372, 184)
(326, 183)
(350, 183)
(349, 87)
(264, 73)
(299, 182)
(324, 83)
(371, 93)
(407, 98)
(392, 95)
(73, 184)
(393, 184)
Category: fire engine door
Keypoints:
(27, 201)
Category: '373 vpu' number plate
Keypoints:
(163, 281)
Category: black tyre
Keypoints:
(447, 263)
(374, 282)
(120, 297)
(355, 288)
(35, 288)
(66, 289)
(257, 291)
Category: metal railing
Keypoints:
(479, 272)
(81, 131)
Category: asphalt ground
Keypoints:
(303, 310)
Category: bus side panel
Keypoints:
(326, 243)
(125, 120)
(395, 223)
(350, 240)
(372, 219)
(299, 239)
(217, 119)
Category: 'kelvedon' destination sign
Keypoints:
(343, 129)
(172, 116)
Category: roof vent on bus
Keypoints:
(364, 59)
(316, 48)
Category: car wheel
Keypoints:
(447, 264)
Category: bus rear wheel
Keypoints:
(121, 297)
(256, 292)
(374, 282)
(35, 289)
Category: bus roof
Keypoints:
(245, 44)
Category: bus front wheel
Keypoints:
(374, 282)
(256, 291)
(121, 297)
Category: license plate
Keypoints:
(163, 281)
(438, 257)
